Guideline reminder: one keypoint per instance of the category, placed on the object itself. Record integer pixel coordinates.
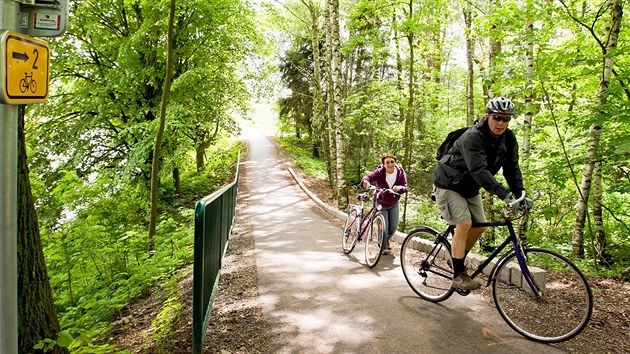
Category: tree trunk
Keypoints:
(411, 113)
(600, 235)
(582, 205)
(155, 165)
(37, 319)
(616, 13)
(595, 133)
(330, 121)
(527, 123)
(495, 49)
(470, 76)
(177, 183)
(68, 265)
(200, 155)
(406, 160)
(342, 191)
(318, 100)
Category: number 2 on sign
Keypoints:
(36, 52)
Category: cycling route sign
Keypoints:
(24, 66)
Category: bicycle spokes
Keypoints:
(560, 308)
(427, 269)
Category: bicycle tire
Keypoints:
(565, 307)
(374, 244)
(350, 235)
(427, 267)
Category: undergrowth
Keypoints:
(99, 264)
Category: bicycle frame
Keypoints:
(366, 218)
(517, 250)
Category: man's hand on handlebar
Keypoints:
(511, 201)
(527, 203)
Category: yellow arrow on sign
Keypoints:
(24, 62)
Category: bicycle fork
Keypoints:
(519, 250)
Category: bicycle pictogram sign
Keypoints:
(24, 63)
(28, 83)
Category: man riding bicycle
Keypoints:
(469, 165)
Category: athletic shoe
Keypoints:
(463, 282)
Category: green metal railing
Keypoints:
(214, 215)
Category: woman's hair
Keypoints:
(387, 155)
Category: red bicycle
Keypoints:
(358, 222)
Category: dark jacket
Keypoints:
(475, 158)
(378, 176)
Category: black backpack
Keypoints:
(447, 144)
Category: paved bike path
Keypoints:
(322, 301)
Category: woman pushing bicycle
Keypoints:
(388, 175)
(470, 165)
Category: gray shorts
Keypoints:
(456, 209)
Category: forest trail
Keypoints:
(322, 301)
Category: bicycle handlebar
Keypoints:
(516, 201)
(521, 207)
(374, 188)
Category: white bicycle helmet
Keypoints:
(500, 105)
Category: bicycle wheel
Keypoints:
(374, 240)
(350, 234)
(427, 266)
(564, 307)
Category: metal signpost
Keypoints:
(24, 76)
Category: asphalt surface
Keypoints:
(322, 301)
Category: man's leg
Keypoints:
(477, 214)
(461, 280)
(473, 237)
(459, 250)
(454, 209)
(460, 239)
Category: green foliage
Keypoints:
(64, 340)
(303, 158)
(96, 248)
(169, 313)
(560, 88)
(90, 145)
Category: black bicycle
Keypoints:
(541, 294)
(358, 222)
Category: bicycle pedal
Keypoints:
(462, 292)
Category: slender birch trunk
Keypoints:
(527, 123)
(494, 51)
(318, 100)
(593, 159)
(330, 115)
(342, 192)
(470, 76)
